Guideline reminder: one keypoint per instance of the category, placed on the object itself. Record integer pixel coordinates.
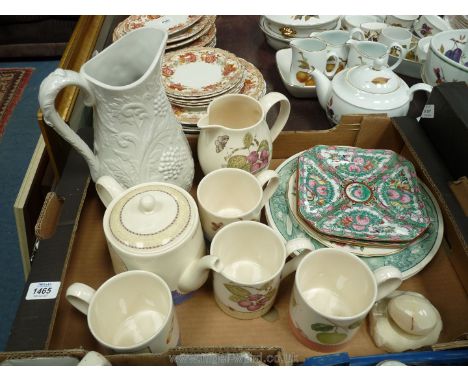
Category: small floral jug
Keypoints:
(235, 133)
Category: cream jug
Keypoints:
(136, 136)
(235, 134)
(155, 227)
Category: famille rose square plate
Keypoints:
(198, 72)
(360, 194)
(409, 260)
(173, 24)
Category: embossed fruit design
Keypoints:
(248, 300)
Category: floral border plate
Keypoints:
(196, 72)
(356, 249)
(193, 30)
(173, 24)
(254, 86)
(209, 29)
(409, 261)
(359, 194)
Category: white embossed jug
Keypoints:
(136, 136)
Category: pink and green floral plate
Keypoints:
(360, 194)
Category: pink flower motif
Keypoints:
(312, 183)
(405, 199)
(264, 155)
(252, 157)
(322, 190)
(358, 160)
(167, 72)
(330, 208)
(392, 194)
(353, 167)
(255, 167)
(362, 220)
(358, 227)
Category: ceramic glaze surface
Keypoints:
(151, 218)
(136, 136)
(360, 194)
(410, 260)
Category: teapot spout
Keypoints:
(196, 273)
(323, 86)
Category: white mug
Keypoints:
(369, 31)
(404, 21)
(333, 292)
(402, 36)
(227, 195)
(254, 257)
(131, 312)
(366, 52)
(308, 53)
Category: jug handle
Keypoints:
(403, 52)
(48, 91)
(267, 102)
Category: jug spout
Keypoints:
(324, 86)
(108, 189)
(204, 124)
(197, 272)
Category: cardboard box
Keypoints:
(86, 259)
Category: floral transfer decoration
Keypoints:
(253, 156)
(360, 194)
(251, 299)
(226, 64)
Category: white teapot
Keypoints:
(365, 89)
(155, 227)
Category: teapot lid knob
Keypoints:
(378, 64)
(147, 204)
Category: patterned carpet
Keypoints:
(12, 84)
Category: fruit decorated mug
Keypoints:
(333, 293)
(254, 257)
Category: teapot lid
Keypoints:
(152, 218)
(375, 78)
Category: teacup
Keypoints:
(130, 312)
(404, 21)
(227, 195)
(399, 35)
(333, 293)
(430, 25)
(254, 257)
(308, 53)
(366, 52)
(369, 31)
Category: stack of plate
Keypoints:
(458, 22)
(183, 31)
(367, 202)
(367, 198)
(193, 77)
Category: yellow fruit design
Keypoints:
(302, 76)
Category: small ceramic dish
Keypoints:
(275, 41)
(283, 63)
(360, 194)
(300, 25)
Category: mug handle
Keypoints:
(388, 279)
(359, 32)
(337, 64)
(272, 178)
(80, 295)
(402, 55)
(108, 189)
(48, 91)
(292, 248)
(267, 101)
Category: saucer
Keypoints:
(410, 261)
(283, 63)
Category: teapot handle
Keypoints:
(48, 91)
(267, 102)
